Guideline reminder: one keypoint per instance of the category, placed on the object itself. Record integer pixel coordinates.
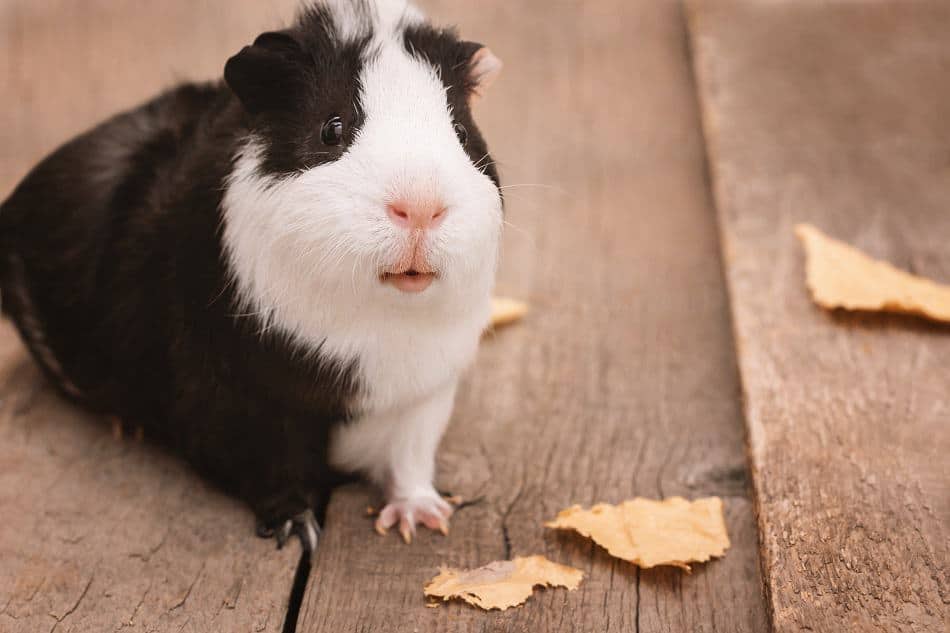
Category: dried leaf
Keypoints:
(841, 276)
(650, 533)
(502, 584)
(505, 311)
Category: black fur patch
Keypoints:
(114, 272)
(452, 57)
(291, 82)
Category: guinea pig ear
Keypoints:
(267, 73)
(483, 68)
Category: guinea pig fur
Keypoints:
(282, 275)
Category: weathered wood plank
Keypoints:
(621, 382)
(66, 65)
(99, 534)
(835, 113)
(96, 534)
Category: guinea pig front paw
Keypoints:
(427, 509)
(304, 525)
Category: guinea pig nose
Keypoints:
(418, 214)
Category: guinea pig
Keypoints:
(283, 275)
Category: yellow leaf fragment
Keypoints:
(505, 311)
(650, 533)
(502, 584)
(840, 276)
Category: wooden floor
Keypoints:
(625, 379)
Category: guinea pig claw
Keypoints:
(308, 530)
(303, 525)
(430, 511)
(282, 534)
(405, 531)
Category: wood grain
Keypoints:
(100, 535)
(622, 380)
(67, 65)
(834, 113)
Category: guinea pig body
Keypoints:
(281, 276)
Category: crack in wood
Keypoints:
(297, 591)
(506, 540)
(184, 624)
(146, 557)
(506, 536)
(135, 611)
(75, 606)
(184, 599)
(637, 629)
(231, 599)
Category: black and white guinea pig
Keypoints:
(282, 276)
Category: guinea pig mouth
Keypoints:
(411, 281)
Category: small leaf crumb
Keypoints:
(505, 311)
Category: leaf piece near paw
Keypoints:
(650, 533)
(502, 584)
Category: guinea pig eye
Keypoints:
(462, 133)
(332, 133)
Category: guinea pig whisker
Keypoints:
(532, 240)
(531, 184)
(499, 162)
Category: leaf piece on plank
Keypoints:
(650, 533)
(840, 276)
(502, 584)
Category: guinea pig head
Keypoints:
(364, 180)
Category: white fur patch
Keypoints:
(396, 448)
(354, 19)
(306, 252)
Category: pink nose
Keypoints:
(419, 214)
